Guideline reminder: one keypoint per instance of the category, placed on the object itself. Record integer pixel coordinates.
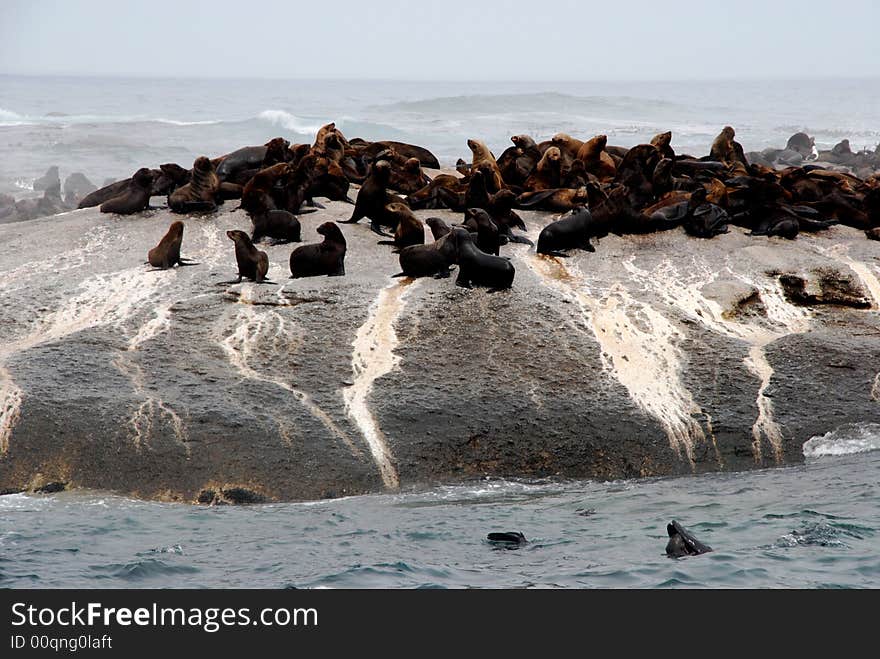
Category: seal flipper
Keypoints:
(520, 239)
(377, 228)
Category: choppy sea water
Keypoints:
(815, 525)
(109, 127)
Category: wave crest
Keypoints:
(846, 440)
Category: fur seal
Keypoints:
(596, 160)
(200, 193)
(478, 221)
(373, 199)
(136, 195)
(324, 258)
(438, 227)
(409, 231)
(507, 540)
(280, 225)
(252, 263)
(682, 542)
(482, 155)
(572, 231)
(167, 253)
(548, 171)
(478, 268)
(557, 200)
(429, 260)
(663, 143)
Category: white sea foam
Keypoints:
(288, 121)
(844, 440)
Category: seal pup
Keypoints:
(167, 253)
(682, 542)
(324, 258)
(478, 268)
(252, 263)
(136, 195)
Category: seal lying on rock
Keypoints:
(135, 196)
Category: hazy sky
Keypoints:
(443, 39)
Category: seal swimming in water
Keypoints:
(507, 539)
(252, 263)
(478, 268)
(682, 542)
(324, 258)
(136, 195)
(167, 253)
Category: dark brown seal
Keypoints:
(200, 193)
(136, 195)
(409, 231)
(324, 258)
(252, 263)
(167, 253)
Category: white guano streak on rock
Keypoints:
(668, 283)
(267, 328)
(875, 390)
(372, 357)
(105, 299)
(141, 421)
(637, 349)
(10, 408)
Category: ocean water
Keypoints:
(108, 128)
(803, 526)
(815, 525)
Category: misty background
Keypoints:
(442, 40)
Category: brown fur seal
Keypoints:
(258, 195)
(200, 193)
(596, 161)
(252, 263)
(136, 196)
(409, 231)
(408, 178)
(483, 155)
(325, 258)
(167, 253)
(555, 200)
(547, 174)
(663, 143)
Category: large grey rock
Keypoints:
(658, 354)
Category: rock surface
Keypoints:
(658, 354)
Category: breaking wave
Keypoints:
(845, 440)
